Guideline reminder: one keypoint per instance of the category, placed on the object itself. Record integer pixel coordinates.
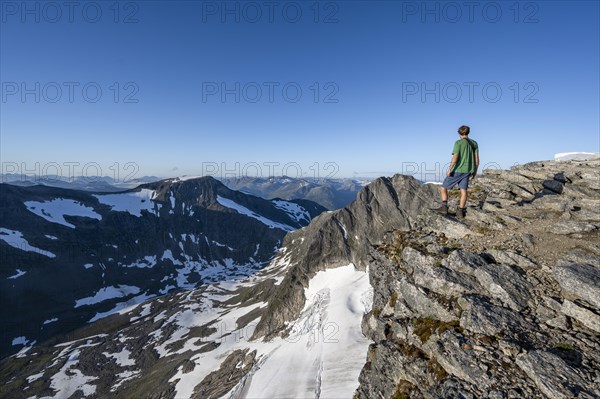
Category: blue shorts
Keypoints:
(462, 179)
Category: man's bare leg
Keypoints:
(463, 198)
(444, 194)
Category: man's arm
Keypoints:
(452, 163)
(476, 163)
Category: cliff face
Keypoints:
(342, 237)
(502, 304)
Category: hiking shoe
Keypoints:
(461, 213)
(443, 209)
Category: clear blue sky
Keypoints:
(371, 61)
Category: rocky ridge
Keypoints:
(502, 305)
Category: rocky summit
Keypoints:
(385, 298)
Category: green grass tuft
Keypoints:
(425, 327)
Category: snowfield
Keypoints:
(70, 380)
(226, 202)
(16, 240)
(133, 203)
(565, 156)
(123, 307)
(323, 356)
(297, 212)
(149, 261)
(108, 293)
(16, 276)
(54, 211)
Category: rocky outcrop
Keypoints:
(579, 281)
(221, 381)
(552, 375)
(342, 237)
(457, 301)
(505, 306)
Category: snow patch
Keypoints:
(146, 309)
(20, 341)
(34, 377)
(218, 244)
(15, 239)
(19, 274)
(133, 203)
(148, 262)
(226, 202)
(326, 343)
(169, 255)
(565, 156)
(343, 229)
(323, 355)
(295, 211)
(122, 358)
(55, 210)
(107, 293)
(69, 380)
(122, 307)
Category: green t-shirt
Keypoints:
(466, 156)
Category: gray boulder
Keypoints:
(444, 281)
(553, 185)
(506, 284)
(572, 226)
(552, 375)
(586, 317)
(419, 303)
(465, 262)
(579, 281)
(463, 364)
(513, 258)
(482, 317)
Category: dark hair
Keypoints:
(464, 130)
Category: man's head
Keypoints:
(464, 130)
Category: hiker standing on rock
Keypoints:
(464, 164)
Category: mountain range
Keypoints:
(328, 192)
(70, 257)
